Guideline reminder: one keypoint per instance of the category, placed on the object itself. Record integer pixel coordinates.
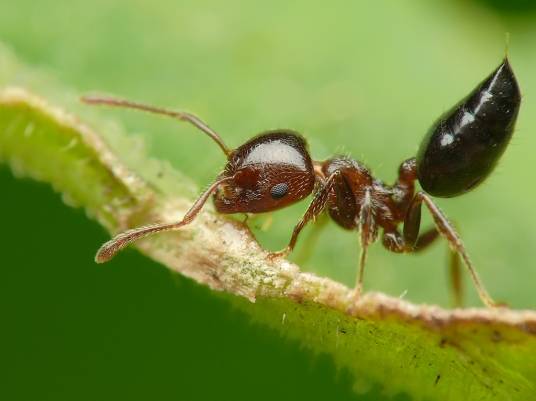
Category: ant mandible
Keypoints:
(274, 170)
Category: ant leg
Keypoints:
(120, 241)
(412, 241)
(311, 240)
(456, 282)
(179, 115)
(394, 242)
(362, 261)
(426, 239)
(446, 229)
(367, 235)
(316, 206)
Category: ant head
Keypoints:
(270, 171)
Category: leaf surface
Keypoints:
(424, 351)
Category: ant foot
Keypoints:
(357, 294)
(499, 304)
(355, 297)
(279, 254)
(490, 303)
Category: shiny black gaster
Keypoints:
(463, 146)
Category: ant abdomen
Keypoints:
(463, 146)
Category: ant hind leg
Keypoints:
(446, 229)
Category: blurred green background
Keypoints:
(364, 78)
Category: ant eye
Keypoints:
(279, 190)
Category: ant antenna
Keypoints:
(179, 115)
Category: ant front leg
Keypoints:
(310, 242)
(445, 228)
(316, 207)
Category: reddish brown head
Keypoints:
(270, 171)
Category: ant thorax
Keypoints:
(355, 189)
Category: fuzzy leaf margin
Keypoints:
(423, 351)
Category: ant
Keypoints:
(274, 169)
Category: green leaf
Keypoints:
(424, 351)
